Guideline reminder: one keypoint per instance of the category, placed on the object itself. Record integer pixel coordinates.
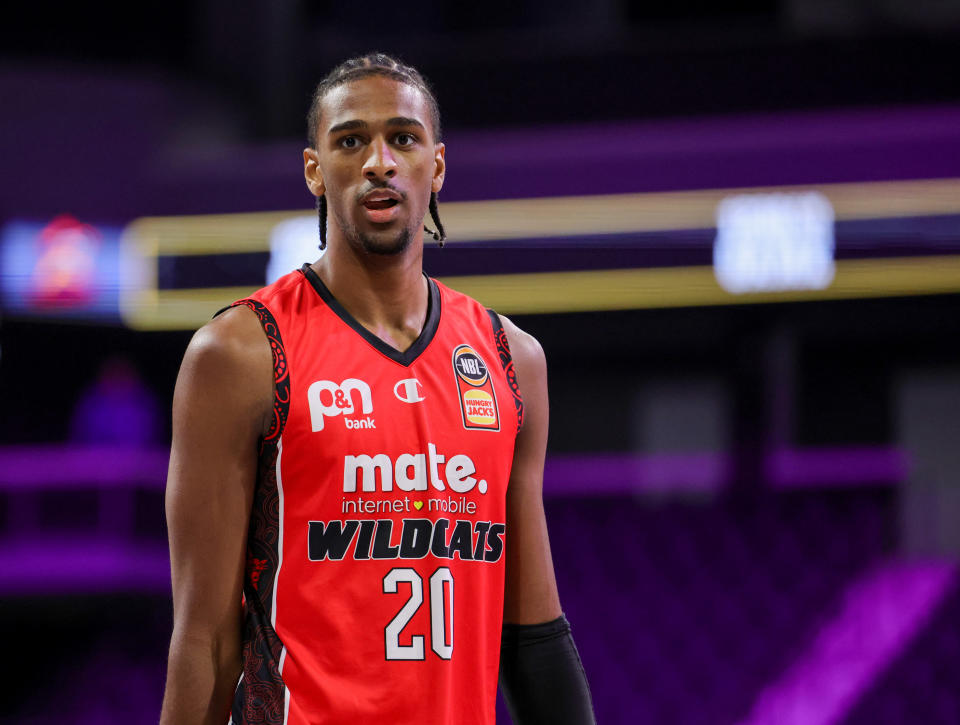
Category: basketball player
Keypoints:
(358, 458)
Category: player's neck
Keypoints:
(386, 294)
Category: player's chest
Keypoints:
(350, 396)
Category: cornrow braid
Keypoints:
(373, 64)
(440, 235)
(322, 213)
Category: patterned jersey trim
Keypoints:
(260, 694)
(281, 374)
(506, 361)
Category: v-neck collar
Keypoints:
(405, 358)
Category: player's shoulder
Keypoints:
(285, 293)
(232, 341)
(525, 343)
(226, 373)
(529, 368)
(525, 349)
(244, 322)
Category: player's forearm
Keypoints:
(541, 675)
(202, 675)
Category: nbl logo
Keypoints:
(469, 366)
(478, 401)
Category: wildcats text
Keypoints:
(375, 539)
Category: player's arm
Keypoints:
(540, 670)
(222, 403)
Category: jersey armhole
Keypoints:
(506, 362)
(281, 372)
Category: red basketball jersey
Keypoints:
(375, 563)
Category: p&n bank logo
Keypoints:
(327, 399)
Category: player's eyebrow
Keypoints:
(403, 121)
(357, 123)
(347, 126)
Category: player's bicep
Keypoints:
(217, 418)
(531, 589)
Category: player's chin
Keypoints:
(386, 242)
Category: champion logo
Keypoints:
(409, 390)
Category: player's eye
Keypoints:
(349, 142)
(405, 139)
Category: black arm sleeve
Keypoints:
(541, 676)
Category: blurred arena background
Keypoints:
(734, 226)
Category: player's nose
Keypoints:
(380, 163)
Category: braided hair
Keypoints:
(372, 64)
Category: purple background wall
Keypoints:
(748, 521)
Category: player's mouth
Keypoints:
(381, 205)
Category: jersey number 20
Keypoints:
(441, 614)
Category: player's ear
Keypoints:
(440, 167)
(311, 172)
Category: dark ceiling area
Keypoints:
(521, 63)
